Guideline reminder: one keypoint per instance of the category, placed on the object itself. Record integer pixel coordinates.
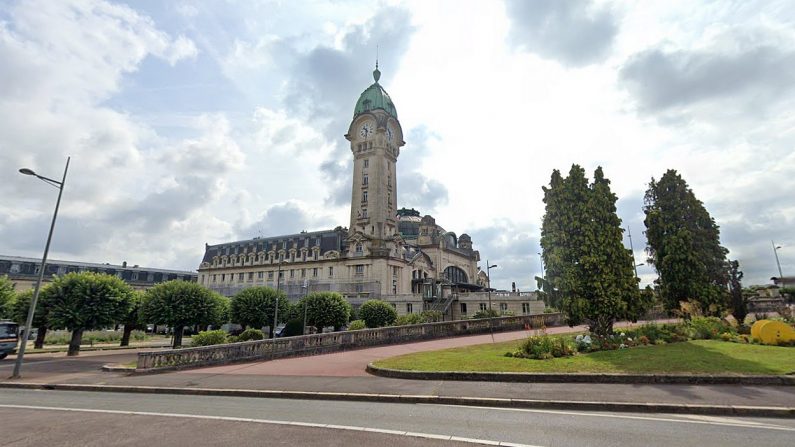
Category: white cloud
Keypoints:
(262, 95)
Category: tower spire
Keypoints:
(376, 72)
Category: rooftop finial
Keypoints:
(376, 72)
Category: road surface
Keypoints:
(85, 418)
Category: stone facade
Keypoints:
(385, 252)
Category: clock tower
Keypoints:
(376, 138)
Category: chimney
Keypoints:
(124, 264)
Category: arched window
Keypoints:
(455, 274)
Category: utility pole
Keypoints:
(778, 264)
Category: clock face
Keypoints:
(366, 130)
(389, 134)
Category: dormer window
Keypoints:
(359, 248)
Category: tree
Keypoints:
(586, 261)
(86, 301)
(182, 303)
(7, 296)
(132, 320)
(683, 243)
(739, 300)
(19, 313)
(377, 313)
(323, 309)
(253, 307)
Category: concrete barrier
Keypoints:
(333, 342)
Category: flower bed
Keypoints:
(544, 346)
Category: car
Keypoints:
(9, 338)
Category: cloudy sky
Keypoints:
(206, 122)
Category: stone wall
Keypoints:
(332, 342)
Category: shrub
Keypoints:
(250, 334)
(294, 327)
(208, 338)
(726, 336)
(487, 313)
(407, 319)
(583, 343)
(431, 316)
(356, 325)
(708, 328)
(644, 340)
(377, 313)
(545, 347)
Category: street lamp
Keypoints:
(488, 278)
(32, 309)
(306, 290)
(776, 248)
(276, 300)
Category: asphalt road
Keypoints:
(84, 418)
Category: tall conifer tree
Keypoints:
(683, 243)
(586, 261)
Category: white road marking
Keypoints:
(716, 420)
(272, 422)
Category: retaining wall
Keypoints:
(333, 342)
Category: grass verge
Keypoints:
(697, 356)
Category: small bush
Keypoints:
(356, 325)
(707, 328)
(644, 340)
(487, 313)
(251, 334)
(294, 327)
(726, 336)
(545, 347)
(209, 338)
(407, 319)
(432, 316)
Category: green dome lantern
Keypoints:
(375, 97)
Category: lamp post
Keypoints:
(306, 291)
(32, 309)
(488, 278)
(276, 300)
(776, 248)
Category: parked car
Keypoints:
(9, 338)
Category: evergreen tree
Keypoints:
(684, 246)
(585, 259)
(739, 300)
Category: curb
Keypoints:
(93, 348)
(634, 379)
(116, 368)
(634, 407)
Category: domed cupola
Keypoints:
(375, 97)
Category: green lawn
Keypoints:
(699, 356)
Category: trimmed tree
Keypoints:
(7, 296)
(254, 306)
(132, 320)
(323, 309)
(377, 313)
(182, 303)
(683, 243)
(86, 301)
(586, 261)
(19, 313)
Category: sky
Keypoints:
(212, 121)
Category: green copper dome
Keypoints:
(375, 97)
